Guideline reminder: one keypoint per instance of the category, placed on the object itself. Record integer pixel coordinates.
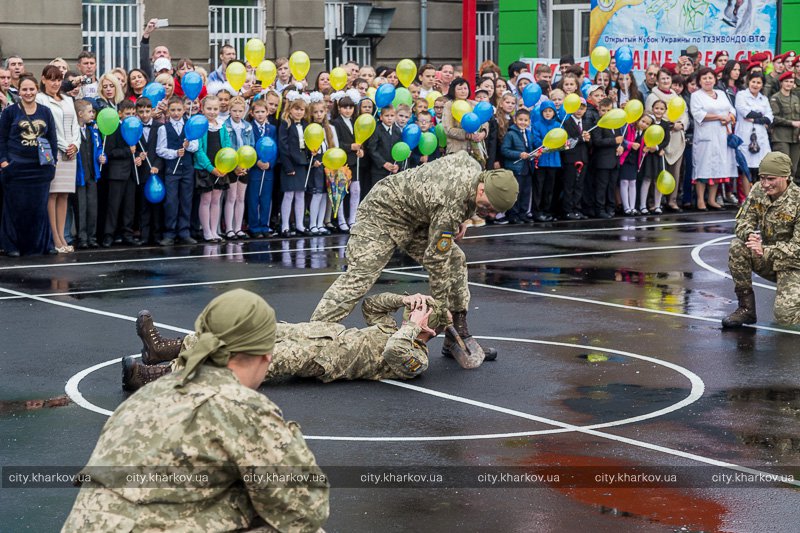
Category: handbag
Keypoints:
(45, 150)
(753, 147)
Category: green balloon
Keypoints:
(402, 96)
(428, 143)
(400, 151)
(440, 135)
(107, 121)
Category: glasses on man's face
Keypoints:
(439, 107)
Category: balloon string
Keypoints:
(308, 173)
(261, 187)
(104, 150)
(135, 171)
(530, 154)
(145, 155)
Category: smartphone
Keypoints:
(683, 53)
(162, 23)
(438, 75)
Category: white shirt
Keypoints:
(161, 142)
(300, 135)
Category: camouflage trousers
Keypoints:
(743, 263)
(366, 258)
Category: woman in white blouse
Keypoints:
(69, 139)
(714, 161)
(753, 117)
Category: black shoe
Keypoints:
(231, 236)
(186, 240)
(242, 235)
(83, 245)
(583, 217)
(93, 243)
(108, 240)
(131, 241)
(573, 216)
(541, 218)
(166, 241)
(501, 221)
(12, 253)
(287, 233)
(605, 216)
(258, 235)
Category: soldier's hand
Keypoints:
(755, 246)
(462, 230)
(412, 301)
(419, 316)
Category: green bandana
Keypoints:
(501, 188)
(238, 321)
(437, 319)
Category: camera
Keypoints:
(86, 80)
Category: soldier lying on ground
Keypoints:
(322, 350)
(183, 453)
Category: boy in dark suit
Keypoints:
(606, 149)
(120, 174)
(90, 158)
(516, 149)
(380, 145)
(574, 162)
(151, 216)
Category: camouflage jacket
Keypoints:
(217, 431)
(380, 351)
(778, 221)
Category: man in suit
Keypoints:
(380, 145)
(120, 174)
(574, 162)
(151, 216)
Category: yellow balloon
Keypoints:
(460, 108)
(299, 64)
(313, 136)
(363, 128)
(406, 72)
(247, 156)
(572, 103)
(675, 108)
(266, 72)
(226, 160)
(555, 138)
(601, 58)
(612, 120)
(236, 74)
(431, 98)
(653, 136)
(338, 78)
(665, 182)
(334, 159)
(254, 51)
(371, 93)
(633, 111)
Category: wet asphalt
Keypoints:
(596, 322)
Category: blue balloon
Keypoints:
(155, 92)
(531, 94)
(131, 130)
(411, 135)
(196, 127)
(585, 91)
(484, 110)
(267, 150)
(586, 82)
(154, 189)
(471, 123)
(624, 59)
(192, 84)
(384, 95)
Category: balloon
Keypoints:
(484, 110)
(431, 98)
(363, 128)
(653, 136)
(334, 159)
(665, 182)
(601, 58)
(131, 130)
(428, 143)
(470, 123)
(154, 190)
(675, 108)
(299, 64)
(254, 51)
(411, 135)
(555, 138)
(406, 71)
(440, 135)
(612, 120)
(371, 93)
(246, 156)
(572, 103)
(633, 111)
(624, 57)
(460, 108)
(402, 96)
(107, 121)
(384, 95)
(313, 136)
(155, 92)
(192, 84)
(531, 94)
(196, 127)
(236, 74)
(267, 150)
(585, 90)
(226, 160)
(338, 78)
(266, 72)
(400, 151)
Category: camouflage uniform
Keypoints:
(779, 223)
(215, 426)
(419, 211)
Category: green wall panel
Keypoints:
(518, 33)
(790, 29)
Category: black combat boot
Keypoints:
(155, 348)
(136, 375)
(745, 313)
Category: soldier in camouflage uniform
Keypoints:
(768, 243)
(322, 350)
(421, 211)
(785, 105)
(209, 423)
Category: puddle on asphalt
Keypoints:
(772, 416)
(601, 403)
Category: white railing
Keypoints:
(234, 25)
(485, 36)
(111, 31)
(339, 49)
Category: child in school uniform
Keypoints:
(516, 148)
(90, 158)
(424, 121)
(151, 216)
(317, 113)
(210, 182)
(379, 146)
(606, 149)
(629, 163)
(240, 133)
(259, 189)
(575, 162)
(653, 161)
(120, 174)
(343, 123)
(294, 161)
(544, 176)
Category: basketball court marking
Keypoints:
(702, 264)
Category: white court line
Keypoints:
(593, 230)
(702, 264)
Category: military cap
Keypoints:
(759, 57)
(501, 188)
(786, 76)
(775, 164)
(692, 50)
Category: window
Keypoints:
(340, 49)
(570, 35)
(110, 29)
(234, 23)
(485, 34)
